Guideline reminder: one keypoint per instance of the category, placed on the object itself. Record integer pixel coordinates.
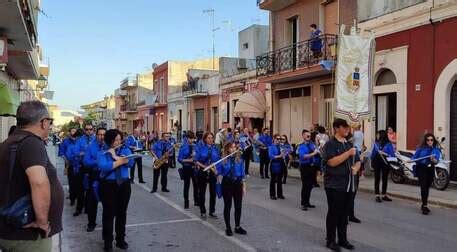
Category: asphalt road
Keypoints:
(158, 222)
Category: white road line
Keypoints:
(156, 223)
(221, 233)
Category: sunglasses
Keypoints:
(429, 139)
(278, 139)
(87, 129)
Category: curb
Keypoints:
(254, 169)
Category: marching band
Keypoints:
(99, 169)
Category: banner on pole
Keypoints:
(354, 76)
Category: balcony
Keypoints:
(302, 55)
(194, 89)
(119, 92)
(129, 83)
(18, 22)
(274, 5)
(24, 64)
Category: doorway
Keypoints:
(386, 111)
(453, 132)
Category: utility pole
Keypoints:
(211, 13)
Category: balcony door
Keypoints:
(293, 40)
(199, 120)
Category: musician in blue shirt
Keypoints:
(68, 170)
(135, 144)
(307, 153)
(231, 173)
(277, 166)
(159, 149)
(115, 188)
(185, 157)
(76, 185)
(247, 150)
(285, 145)
(425, 168)
(382, 149)
(265, 141)
(206, 154)
(90, 161)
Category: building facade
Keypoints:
(416, 70)
(301, 89)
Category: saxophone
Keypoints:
(164, 159)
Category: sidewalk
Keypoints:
(447, 198)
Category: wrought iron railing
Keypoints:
(300, 55)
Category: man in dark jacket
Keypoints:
(341, 163)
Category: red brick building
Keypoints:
(161, 90)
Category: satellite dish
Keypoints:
(154, 66)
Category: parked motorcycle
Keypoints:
(402, 169)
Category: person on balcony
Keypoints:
(315, 41)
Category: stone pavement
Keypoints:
(411, 191)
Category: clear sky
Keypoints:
(93, 44)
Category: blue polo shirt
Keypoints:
(276, 163)
(232, 169)
(185, 152)
(105, 164)
(303, 149)
(90, 158)
(206, 154)
(267, 140)
(134, 142)
(160, 147)
(426, 151)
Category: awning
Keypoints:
(8, 101)
(251, 105)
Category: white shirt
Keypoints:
(358, 139)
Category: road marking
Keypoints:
(156, 223)
(221, 233)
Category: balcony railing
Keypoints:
(301, 55)
(128, 108)
(193, 89)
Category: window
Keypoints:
(162, 91)
(245, 46)
(386, 77)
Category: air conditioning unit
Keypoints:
(242, 64)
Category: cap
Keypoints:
(338, 122)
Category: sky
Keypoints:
(92, 45)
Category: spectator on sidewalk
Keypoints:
(33, 174)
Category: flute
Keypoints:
(224, 158)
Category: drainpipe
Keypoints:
(433, 46)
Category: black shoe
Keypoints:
(304, 208)
(310, 206)
(346, 245)
(378, 199)
(386, 198)
(262, 177)
(203, 215)
(354, 219)
(77, 213)
(165, 190)
(284, 182)
(122, 244)
(229, 232)
(153, 191)
(90, 228)
(240, 230)
(142, 182)
(186, 204)
(267, 177)
(72, 203)
(333, 246)
(108, 246)
(132, 182)
(273, 198)
(196, 204)
(281, 197)
(425, 210)
(212, 215)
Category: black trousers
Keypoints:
(173, 159)
(337, 215)
(71, 183)
(285, 171)
(381, 170)
(426, 176)
(276, 185)
(264, 162)
(232, 191)
(162, 173)
(188, 176)
(307, 173)
(91, 201)
(115, 200)
(247, 159)
(139, 165)
(79, 191)
(205, 178)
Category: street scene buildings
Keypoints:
(283, 79)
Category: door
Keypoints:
(199, 120)
(284, 117)
(386, 111)
(453, 132)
